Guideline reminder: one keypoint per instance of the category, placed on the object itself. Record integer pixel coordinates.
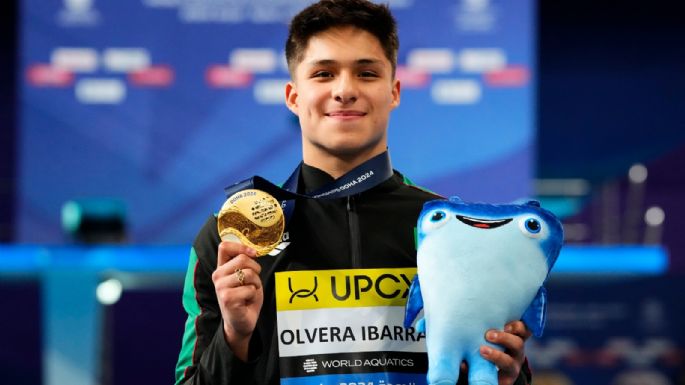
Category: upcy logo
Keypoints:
(310, 365)
(387, 286)
(303, 293)
(302, 290)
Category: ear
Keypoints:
(291, 96)
(395, 93)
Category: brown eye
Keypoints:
(322, 74)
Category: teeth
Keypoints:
(485, 220)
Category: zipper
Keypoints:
(355, 241)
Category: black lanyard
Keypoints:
(363, 177)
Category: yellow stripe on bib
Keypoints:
(302, 290)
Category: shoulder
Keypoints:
(207, 241)
(399, 197)
(407, 187)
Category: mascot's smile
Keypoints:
(483, 223)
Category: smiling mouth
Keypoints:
(346, 114)
(483, 223)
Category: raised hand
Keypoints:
(239, 293)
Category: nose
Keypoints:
(345, 90)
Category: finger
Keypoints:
(518, 328)
(228, 250)
(235, 298)
(504, 362)
(512, 344)
(241, 261)
(224, 279)
(227, 276)
(245, 277)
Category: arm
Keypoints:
(206, 356)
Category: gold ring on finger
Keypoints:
(241, 276)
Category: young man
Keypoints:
(342, 56)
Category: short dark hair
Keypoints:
(325, 14)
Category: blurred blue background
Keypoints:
(163, 118)
(139, 112)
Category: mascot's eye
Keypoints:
(433, 220)
(533, 225)
(438, 216)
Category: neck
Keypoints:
(339, 165)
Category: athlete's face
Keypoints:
(343, 91)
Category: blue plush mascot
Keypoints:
(479, 267)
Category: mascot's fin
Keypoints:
(535, 315)
(414, 302)
(421, 325)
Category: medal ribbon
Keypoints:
(363, 177)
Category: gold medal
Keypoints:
(253, 218)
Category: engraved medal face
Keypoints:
(253, 218)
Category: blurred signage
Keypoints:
(162, 103)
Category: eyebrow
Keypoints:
(358, 62)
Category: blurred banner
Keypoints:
(612, 331)
(162, 103)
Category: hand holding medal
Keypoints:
(251, 224)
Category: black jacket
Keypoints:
(373, 229)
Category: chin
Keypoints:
(351, 150)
